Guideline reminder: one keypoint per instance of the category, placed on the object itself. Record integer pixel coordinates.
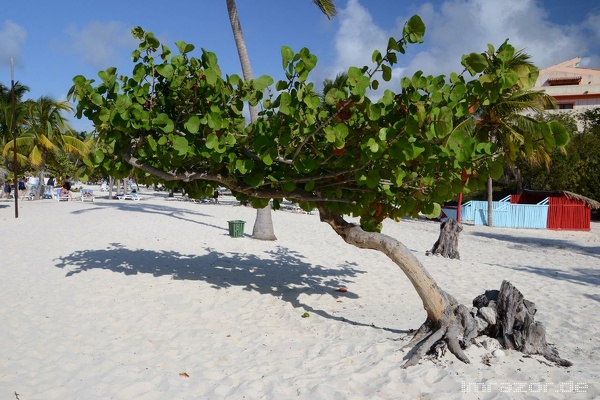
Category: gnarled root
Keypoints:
(504, 314)
(457, 330)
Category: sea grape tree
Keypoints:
(177, 119)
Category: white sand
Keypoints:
(117, 299)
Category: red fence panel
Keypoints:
(568, 214)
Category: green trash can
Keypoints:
(236, 228)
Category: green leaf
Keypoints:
(376, 57)
(184, 47)
(443, 120)
(267, 159)
(431, 210)
(214, 120)
(399, 176)
(287, 54)
(393, 45)
(373, 145)
(560, 133)
(373, 179)
(253, 180)
(193, 124)
(386, 72)
(165, 70)
(357, 81)
(496, 169)
(209, 59)
(163, 121)
(180, 144)
(414, 29)
(284, 103)
(211, 76)
(212, 140)
(262, 83)
(474, 62)
(244, 166)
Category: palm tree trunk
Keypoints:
(263, 224)
(490, 198)
(240, 43)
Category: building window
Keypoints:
(564, 81)
(566, 106)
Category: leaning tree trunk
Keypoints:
(448, 322)
(447, 243)
(490, 201)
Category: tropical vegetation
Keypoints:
(177, 119)
(45, 142)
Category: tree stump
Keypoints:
(447, 243)
(509, 317)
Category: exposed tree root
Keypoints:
(424, 347)
(504, 314)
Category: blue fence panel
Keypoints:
(529, 216)
(506, 215)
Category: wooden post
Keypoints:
(14, 130)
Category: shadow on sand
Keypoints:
(586, 275)
(282, 273)
(144, 208)
(521, 242)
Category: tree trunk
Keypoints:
(508, 316)
(448, 323)
(519, 179)
(447, 243)
(263, 225)
(240, 44)
(490, 199)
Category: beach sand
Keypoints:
(153, 299)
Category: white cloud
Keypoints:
(357, 37)
(12, 37)
(99, 42)
(457, 27)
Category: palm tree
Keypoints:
(6, 109)
(263, 225)
(46, 133)
(339, 83)
(509, 122)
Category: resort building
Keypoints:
(573, 87)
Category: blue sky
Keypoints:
(51, 42)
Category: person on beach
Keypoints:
(22, 188)
(6, 190)
(216, 195)
(50, 181)
(65, 190)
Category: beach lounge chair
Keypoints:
(48, 192)
(87, 195)
(58, 197)
(130, 196)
